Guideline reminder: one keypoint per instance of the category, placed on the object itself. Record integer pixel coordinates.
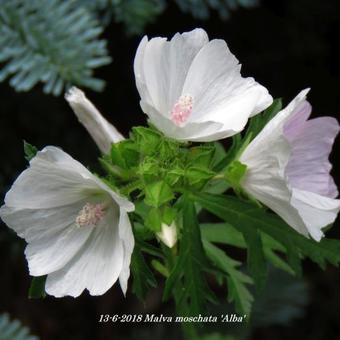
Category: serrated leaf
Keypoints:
(225, 233)
(143, 278)
(237, 281)
(240, 213)
(255, 255)
(189, 267)
(37, 287)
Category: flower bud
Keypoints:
(103, 133)
(168, 234)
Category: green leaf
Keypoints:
(37, 287)
(158, 193)
(189, 267)
(143, 278)
(237, 281)
(154, 220)
(30, 151)
(225, 233)
(255, 255)
(240, 213)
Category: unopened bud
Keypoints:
(168, 234)
(103, 133)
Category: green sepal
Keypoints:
(168, 214)
(158, 193)
(148, 140)
(30, 151)
(153, 220)
(234, 173)
(37, 287)
(198, 176)
(124, 154)
(202, 155)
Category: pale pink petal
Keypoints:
(309, 167)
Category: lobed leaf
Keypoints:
(243, 216)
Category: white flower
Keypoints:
(77, 229)
(103, 133)
(191, 88)
(168, 234)
(288, 168)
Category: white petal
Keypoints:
(272, 131)
(219, 92)
(203, 132)
(96, 266)
(190, 65)
(266, 158)
(126, 235)
(168, 234)
(162, 66)
(139, 71)
(266, 182)
(56, 179)
(103, 133)
(316, 211)
(309, 167)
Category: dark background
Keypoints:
(284, 45)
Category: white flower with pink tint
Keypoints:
(192, 89)
(77, 229)
(288, 168)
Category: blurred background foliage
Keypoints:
(47, 45)
(57, 42)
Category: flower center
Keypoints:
(90, 215)
(182, 109)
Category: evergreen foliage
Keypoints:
(54, 42)
(57, 42)
(13, 330)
